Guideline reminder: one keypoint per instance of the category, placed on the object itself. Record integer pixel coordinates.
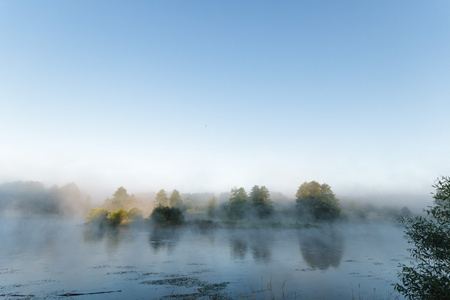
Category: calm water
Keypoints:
(46, 259)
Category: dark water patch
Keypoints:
(305, 270)
(205, 290)
(101, 267)
(75, 293)
(126, 267)
(177, 281)
(122, 273)
(201, 271)
(150, 273)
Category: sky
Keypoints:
(204, 96)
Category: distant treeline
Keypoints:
(314, 202)
(33, 198)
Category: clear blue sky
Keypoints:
(208, 95)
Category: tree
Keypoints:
(429, 275)
(161, 198)
(120, 199)
(175, 200)
(211, 207)
(260, 199)
(238, 203)
(135, 214)
(118, 216)
(317, 200)
(97, 216)
(167, 216)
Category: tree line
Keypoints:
(314, 202)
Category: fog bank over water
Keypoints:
(34, 198)
(314, 263)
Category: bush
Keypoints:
(118, 216)
(428, 277)
(167, 216)
(135, 214)
(97, 215)
(317, 201)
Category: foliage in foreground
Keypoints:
(429, 276)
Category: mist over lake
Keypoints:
(50, 258)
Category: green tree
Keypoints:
(97, 215)
(118, 216)
(260, 200)
(238, 203)
(161, 198)
(175, 199)
(120, 199)
(318, 201)
(135, 214)
(167, 216)
(211, 207)
(429, 275)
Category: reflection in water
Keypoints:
(93, 234)
(238, 246)
(166, 237)
(113, 236)
(322, 248)
(68, 256)
(260, 243)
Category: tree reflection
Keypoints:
(164, 238)
(114, 236)
(260, 243)
(238, 246)
(257, 242)
(322, 248)
(93, 234)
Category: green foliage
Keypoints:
(211, 207)
(175, 200)
(135, 214)
(97, 215)
(238, 204)
(428, 277)
(167, 216)
(260, 200)
(161, 199)
(120, 199)
(118, 216)
(318, 201)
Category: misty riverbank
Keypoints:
(48, 258)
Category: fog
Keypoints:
(33, 198)
(47, 258)
(48, 250)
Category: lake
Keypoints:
(59, 258)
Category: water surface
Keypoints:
(51, 258)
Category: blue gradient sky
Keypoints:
(208, 95)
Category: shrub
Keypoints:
(135, 214)
(166, 216)
(118, 216)
(97, 215)
(428, 277)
